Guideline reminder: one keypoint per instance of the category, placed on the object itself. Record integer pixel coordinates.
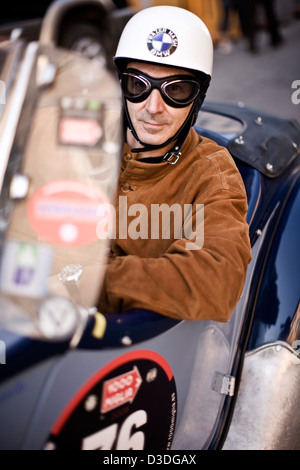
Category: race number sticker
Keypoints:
(67, 212)
(130, 404)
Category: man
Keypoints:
(193, 266)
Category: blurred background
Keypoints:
(257, 44)
(257, 51)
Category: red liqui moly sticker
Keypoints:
(67, 212)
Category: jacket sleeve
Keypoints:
(184, 283)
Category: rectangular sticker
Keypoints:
(25, 269)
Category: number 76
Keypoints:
(105, 438)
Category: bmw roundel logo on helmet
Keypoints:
(162, 42)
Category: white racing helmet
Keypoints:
(167, 35)
(171, 36)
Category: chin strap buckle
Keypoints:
(172, 157)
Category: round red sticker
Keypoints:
(67, 212)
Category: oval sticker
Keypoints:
(66, 212)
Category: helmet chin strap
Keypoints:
(179, 138)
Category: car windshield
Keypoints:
(60, 206)
(225, 125)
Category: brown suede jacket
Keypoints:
(160, 210)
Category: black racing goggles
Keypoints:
(177, 91)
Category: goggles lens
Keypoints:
(177, 91)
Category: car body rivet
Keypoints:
(49, 446)
(239, 140)
(90, 402)
(126, 341)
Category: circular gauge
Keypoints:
(57, 318)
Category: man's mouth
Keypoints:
(152, 125)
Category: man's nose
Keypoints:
(155, 102)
